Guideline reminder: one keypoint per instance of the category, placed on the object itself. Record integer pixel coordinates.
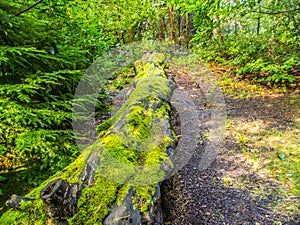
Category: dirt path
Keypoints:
(214, 196)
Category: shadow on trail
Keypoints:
(195, 197)
(279, 111)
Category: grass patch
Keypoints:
(273, 156)
(263, 127)
(281, 151)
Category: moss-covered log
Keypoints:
(115, 180)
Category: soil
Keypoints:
(193, 197)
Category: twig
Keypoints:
(121, 218)
(30, 7)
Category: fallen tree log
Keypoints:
(116, 179)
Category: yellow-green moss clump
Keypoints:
(34, 213)
(131, 148)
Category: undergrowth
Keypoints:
(268, 61)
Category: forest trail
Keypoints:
(47, 46)
(233, 190)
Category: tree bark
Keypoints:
(172, 26)
(258, 22)
(161, 29)
(180, 25)
(131, 34)
(258, 26)
(116, 179)
(165, 27)
(187, 30)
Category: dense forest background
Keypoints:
(45, 50)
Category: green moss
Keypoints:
(115, 146)
(131, 154)
(122, 192)
(150, 87)
(71, 172)
(146, 89)
(95, 202)
(121, 78)
(31, 213)
(143, 197)
(103, 127)
(138, 122)
(150, 66)
(155, 156)
(34, 213)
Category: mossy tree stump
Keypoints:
(115, 180)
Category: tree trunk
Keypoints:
(116, 179)
(258, 23)
(121, 36)
(161, 29)
(131, 34)
(180, 25)
(258, 26)
(165, 27)
(172, 26)
(187, 30)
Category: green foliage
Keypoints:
(96, 200)
(259, 39)
(36, 122)
(270, 71)
(2, 179)
(44, 52)
(263, 60)
(41, 64)
(45, 150)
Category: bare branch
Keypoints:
(30, 7)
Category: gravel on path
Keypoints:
(194, 197)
